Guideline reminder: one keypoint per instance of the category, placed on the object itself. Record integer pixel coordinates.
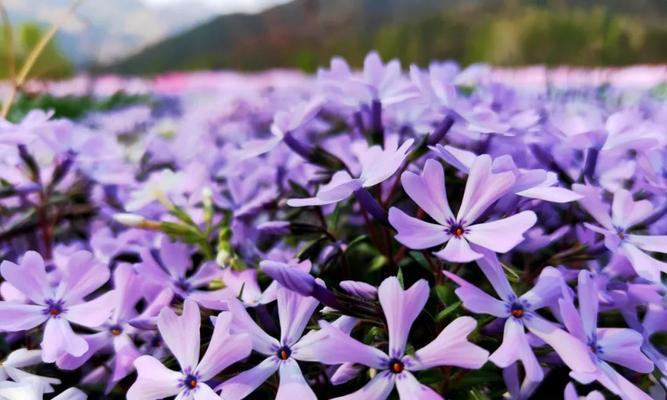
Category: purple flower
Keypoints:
(483, 188)
(603, 345)
(170, 270)
(379, 82)
(625, 215)
(401, 308)
(294, 313)
(116, 335)
(531, 183)
(377, 165)
(520, 313)
(181, 334)
(56, 306)
(284, 123)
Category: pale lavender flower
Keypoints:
(294, 312)
(170, 269)
(395, 368)
(626, 214)
(58, 306)
(377, 165)
(483, 188)
(520, 313)
(531, 183)
(284, 123)
(12, 367)
(181, 334)
(116, 335)
(603, 345)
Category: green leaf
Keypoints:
(399, 276)
(513, 275)
(444, 313)
(378, 262)
(444, 294)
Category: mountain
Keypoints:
(306, 33)
(103, 31)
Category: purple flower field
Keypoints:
(407, 233)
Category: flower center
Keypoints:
(54, 308)
(116, 330)
(456, 229)
(396, 366)
(284, 353)
(183, 284)
(190, 381)
(517, 310)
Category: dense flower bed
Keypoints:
(468, 233)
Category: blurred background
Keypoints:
(147, 37)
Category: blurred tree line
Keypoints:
(52, 63)
(307, 33)
(528, 35)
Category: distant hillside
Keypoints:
(306, 33)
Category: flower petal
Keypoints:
(175, 257)
(476, 300)
(59, 338)
(242, 323)
(553, 194)
(29, 277)
(451, 347)
(20, 317)
(254, 148)
(292, 383)
(181, 334)
(546, 291)
(625, 212)
(241, 385)
(502, 235)
(401, 308)
(482, 189)
(82, 276)
(494, 272)
(378, 388)
(588, 303)
(294, 312)
(428, 191)
(572, 351)
(458, 250)
(224, 348)
(204, 392)
(93, 313)
(337, 347)
(409, 388)
(649, 243)
(415, 233)
(622, 346)
(95, 342)
(514, 338)
(154, 380)
(644, 265)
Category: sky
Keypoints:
(102, 31)
(222, 6)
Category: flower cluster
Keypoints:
(429, 233)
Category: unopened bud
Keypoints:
(128, 219)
